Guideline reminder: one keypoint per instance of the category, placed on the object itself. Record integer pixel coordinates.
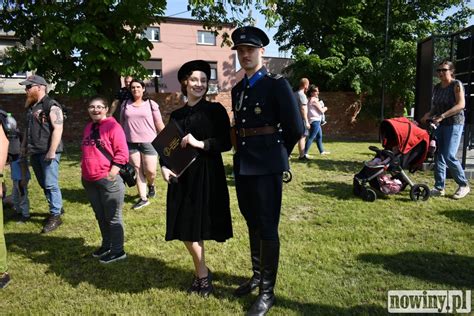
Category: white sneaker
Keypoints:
(326, 153)
(437, 192)
(461, 192)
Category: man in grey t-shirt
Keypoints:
(303, 105)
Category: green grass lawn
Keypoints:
(340, 255)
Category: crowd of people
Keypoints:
(268, 121)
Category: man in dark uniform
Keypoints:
(268, 125)
(122, 95)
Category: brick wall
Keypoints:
(341, 109)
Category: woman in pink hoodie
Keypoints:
(100, 177)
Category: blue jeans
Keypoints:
(47, 174)
(448, 139)
(315, 132)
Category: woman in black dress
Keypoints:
(198, 203)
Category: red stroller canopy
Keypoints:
(404, 135)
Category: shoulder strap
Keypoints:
(274, 76)
(99, 146)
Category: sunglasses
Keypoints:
(95, 107)
(442, 70)
(29, 86)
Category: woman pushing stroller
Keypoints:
(447, 111)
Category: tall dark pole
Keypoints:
(385, 53)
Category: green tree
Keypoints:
(81, 46)
(340, 44)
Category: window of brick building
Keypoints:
(213, 70)
(153, 34)
(206, 38)
(154, 67)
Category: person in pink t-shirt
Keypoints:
(141, 120)
(316, 110)
(101, 180)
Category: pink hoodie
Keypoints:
(94, 164)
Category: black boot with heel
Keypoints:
(270, 253)
(251, 284)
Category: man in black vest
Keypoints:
(44, 145)
(268, 125)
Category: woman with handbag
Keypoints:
(103, 139)
(197, 204)
(141, 120)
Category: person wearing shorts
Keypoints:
(141, 120)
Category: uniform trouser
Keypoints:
(259, 200)
(47, 174)
(106, 198)
(3, 247)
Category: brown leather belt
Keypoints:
(256, 131)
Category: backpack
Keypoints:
(13, 134)
(10, 131)
(48, 103)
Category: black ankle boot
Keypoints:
(270, 252)
(205, 284)
(251, 284)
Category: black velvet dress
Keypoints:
(197, 206)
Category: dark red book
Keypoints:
(168, 146)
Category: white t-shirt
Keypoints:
(313, 113)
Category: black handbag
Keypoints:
(127, 171)
(128, 174)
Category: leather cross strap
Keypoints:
(256, 131)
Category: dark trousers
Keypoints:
(106, 198)
(259, 200)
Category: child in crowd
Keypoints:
(20, 176)
(323, 116)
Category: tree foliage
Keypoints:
(340, 45)
(84, 46)
(81, 46)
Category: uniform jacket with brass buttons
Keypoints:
(269, 102)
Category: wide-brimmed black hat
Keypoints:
(193, 65)
(250, 36)
(34, 79)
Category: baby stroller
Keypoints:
(405, 146)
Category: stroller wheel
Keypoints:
(369, 195)
(287, 176)
(420, 192)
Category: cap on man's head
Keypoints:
(193, 65)
(249, 36)
(34, 79)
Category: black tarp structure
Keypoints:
(459, 48)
